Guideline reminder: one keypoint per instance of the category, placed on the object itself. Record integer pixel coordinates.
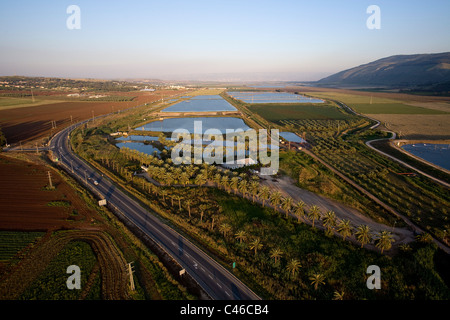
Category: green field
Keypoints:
(12, 242)
(51, 284)
(11, 103)
(392, 108)
(375, 105)
(277, 111)
(14, 101)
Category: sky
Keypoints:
(248, 40)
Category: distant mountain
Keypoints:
(411, 72)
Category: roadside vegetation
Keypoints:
(283, 249)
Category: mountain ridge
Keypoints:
(414, 71)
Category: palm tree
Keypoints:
(276, 253)
(243, 187)
(384, 240)
(234, 183)
(329, 220)
(178, 197)
(217, 178)
(256, 245)
(254, 186)
(225, 228)
(298, 210)
(344, 228)
(275, 199)
(293, 267)
(314, 214)
(363, 234)
(241, 236)
(184, 178)
(317, 279)
(264, 194)
(189, 203)
(225, 182)
(200, 179)
(164, 193)
(338, 295)
(202, 208)
(286, 204)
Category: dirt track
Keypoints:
(287, 187)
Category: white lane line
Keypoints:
(227, 293)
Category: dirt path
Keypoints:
(286, 186)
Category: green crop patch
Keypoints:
(12, 242)
(276, 112)
(392, 108)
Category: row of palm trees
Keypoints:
(293, 265)
(249, 187)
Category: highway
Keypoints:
(216, 281)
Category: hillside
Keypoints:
(423, 72)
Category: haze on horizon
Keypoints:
(213, 40)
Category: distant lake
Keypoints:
(272, 97)
(292, 137)
(139, 146)
(201, 103)
(171, 124)
(137, 138)
(438, 154)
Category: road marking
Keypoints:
(219, 285)
(210, 276)
(227, 293)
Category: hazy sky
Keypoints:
(227, 39)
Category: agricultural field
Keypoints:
(422, 201)
(29, 122)
(43, 230)
(35, 209)
(276, 111)
(14, 243)
(411, 116)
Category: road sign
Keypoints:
(182, 271)
(102, 202)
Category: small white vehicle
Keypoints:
(96, 183)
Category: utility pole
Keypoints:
(130, 273)
(71, 119)
(50, 179)
(92, 116)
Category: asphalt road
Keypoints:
(217, 282)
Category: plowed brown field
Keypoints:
(25, 204)
(28, 123)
